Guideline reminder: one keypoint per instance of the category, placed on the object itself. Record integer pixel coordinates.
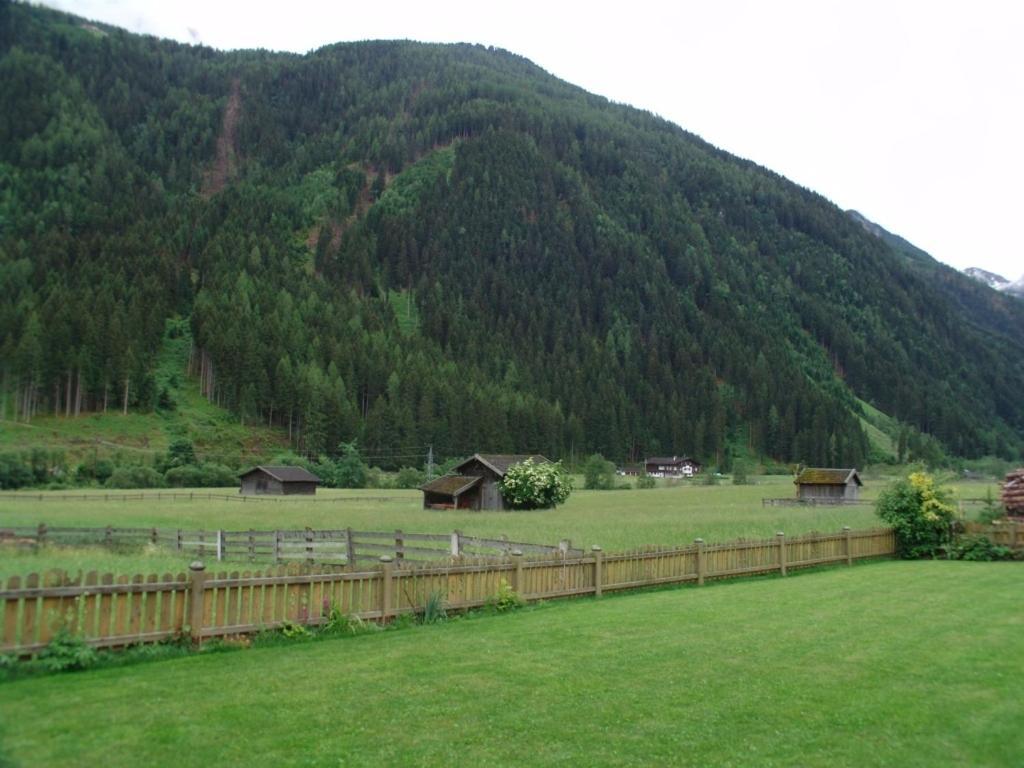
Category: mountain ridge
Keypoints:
(577, 275)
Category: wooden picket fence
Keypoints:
(1007, 533)
(339, 546)
(109, 611)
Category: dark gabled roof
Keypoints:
(286, 474)
(450, 485)
(822, 476)
(671, 460)
(500, 462)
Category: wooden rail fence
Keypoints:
(117, 611)
(189, 496)
(339, 546)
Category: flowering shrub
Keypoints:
(919, 513)
(532, 486)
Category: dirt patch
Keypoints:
(225, 165)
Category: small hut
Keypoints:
(281, 481)
(1013, 492)
(828, 485)
(473, 484)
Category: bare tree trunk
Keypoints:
(67, 396)
(56, 397)
(127, 380)
(78, 394)
(106, 395)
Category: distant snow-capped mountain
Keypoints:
(998, 282)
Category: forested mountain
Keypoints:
(410, 244)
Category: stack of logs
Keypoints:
(1013, 492)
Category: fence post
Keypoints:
(153, 537)
(387, 573)
(40, 534)
(598, 567)
(700, 561)
(220, 545)
(108, 536)
(252, 545)
(456, 544)
(848, 538)
(399, 545)
(781, 536)
(309, 546)
(197, 597)
(179, 540)
(277, 546)
(517, 577)
(350, 548)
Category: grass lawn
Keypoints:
(891, 663)
(616, 520)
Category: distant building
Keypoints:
(279, 481)
(818, 484)
(632, 470)
(473, 484)
(672, 466)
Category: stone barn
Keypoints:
(280, 481)
(473, 484)
(828, 485)
(1013, 492)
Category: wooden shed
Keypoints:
(1013, 492)
(279, 481)
(473, 484)
(835, 485)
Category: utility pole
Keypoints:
(430, 461)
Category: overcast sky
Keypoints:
(910, 112)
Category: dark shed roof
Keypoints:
(286, 474)
(671, 460)
(450, 485)
(821, 476)
(500, 462)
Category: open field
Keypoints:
(616, 520)
(889, 663)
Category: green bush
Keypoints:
(645, 482)
(13, 472)
(506, 599)
(978, 548)
(98, 471)
(598, 473)
(535, 486)
(990, 510)
(739, 473)
(66, 652)
(920, 515)
(218, 476)
(135, 477)
(189, 476)
(410, 477)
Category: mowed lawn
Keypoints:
(615, 520)
(891, 663)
